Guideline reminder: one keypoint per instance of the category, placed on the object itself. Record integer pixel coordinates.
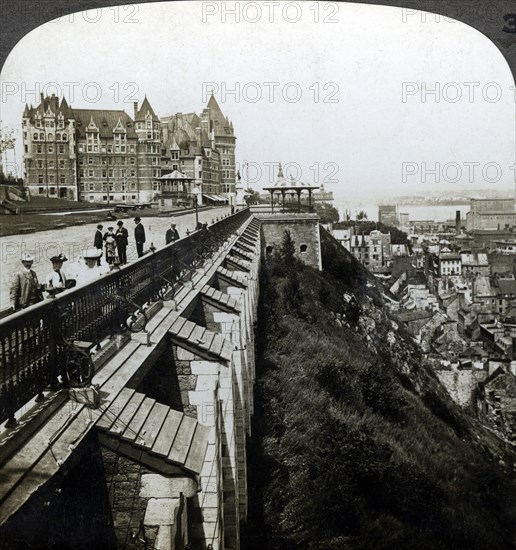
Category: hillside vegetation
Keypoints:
(355, 444)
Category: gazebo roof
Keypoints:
(176, 175)
(283, 184)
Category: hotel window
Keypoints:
(51, 164)
(90, 173)
(62, 178)
(61, 164)
(50, 149)
(35, 137)
(40, 164)
(51, 179)
(50, 137)
(91, 187)
(133, 186)
(109, 148)
(90, 160)
(104, 173)
(61, 149)
(132, 148)
(58, 137)
(81, 173)
(111, 172)
(81, 148)
(122, 173)
(122, 160)
(42, 136)
(40, 178)
(133, 160)
(175, 155)
(65, 137)
(40, 190)
(133, 173)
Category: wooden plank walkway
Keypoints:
(207, 344)
(233, 277)
(180, 439)
(220, 299)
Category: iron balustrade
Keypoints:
(34, 342)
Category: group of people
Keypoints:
(115, 242)
(26, 290)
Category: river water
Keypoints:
(72, 240)
(437, 213)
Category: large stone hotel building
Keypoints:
(106, 156)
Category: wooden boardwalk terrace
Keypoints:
(201, 306)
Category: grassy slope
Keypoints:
(356, 445)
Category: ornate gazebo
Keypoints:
(285, 187)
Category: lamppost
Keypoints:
(196, 192)
(231, 201)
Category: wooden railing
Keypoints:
(34, 341)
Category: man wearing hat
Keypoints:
(172, 234)
(122, 237)
(25, 288)
(139, 236)
(56, 280)
(98, 240)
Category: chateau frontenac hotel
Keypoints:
(106, 156)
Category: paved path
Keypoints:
(72, 240)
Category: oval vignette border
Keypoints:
(496, 19)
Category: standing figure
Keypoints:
(122, 239)
(139, 236)
(88, 269)
(110, 244)
(98, 241)
(172, 234)
(56, 280)
(25, 288)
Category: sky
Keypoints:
(366, 100)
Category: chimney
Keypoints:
(135, 105)
(457, 222)
(41, 97)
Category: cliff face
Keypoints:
(355, 443)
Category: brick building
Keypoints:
(203, 148)
(50, 149)
(106, 156)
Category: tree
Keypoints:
(361, 216)
(252, 197)
(327, 213)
